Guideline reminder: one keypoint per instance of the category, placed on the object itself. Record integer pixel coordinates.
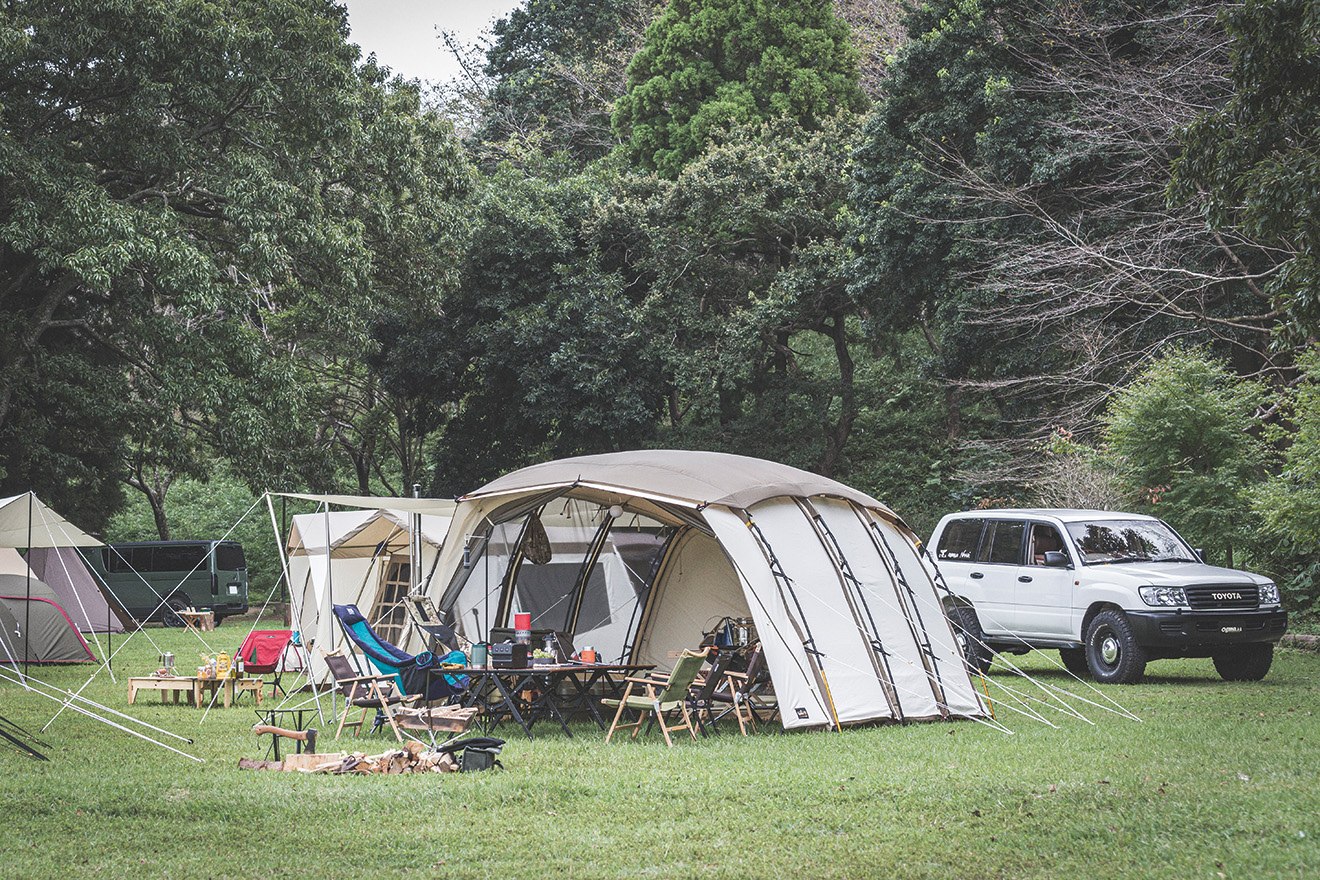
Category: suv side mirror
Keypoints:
(1200, 554)
(1056, 559)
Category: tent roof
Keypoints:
(360, 532)
(43, 528)
(686, 477)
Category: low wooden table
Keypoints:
(166, 686)
(201, 621)
(196, 687)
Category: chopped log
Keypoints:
(308, 761)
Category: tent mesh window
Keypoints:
(388, 616)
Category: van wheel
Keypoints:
(967, 629)
(1244, 662)
(1112, 652)
(1074, 660)
(169, 615)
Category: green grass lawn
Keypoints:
(1216, 780)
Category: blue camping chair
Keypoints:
(414, 673)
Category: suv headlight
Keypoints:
(1269, 593)
(1163, 595)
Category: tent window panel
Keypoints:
(547, 592)
(595, 611)
(389, 617)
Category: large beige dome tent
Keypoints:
(648, 550)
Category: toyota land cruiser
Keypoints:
(1110, 591)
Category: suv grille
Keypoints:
(1205, 596)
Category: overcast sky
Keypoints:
(405, 34)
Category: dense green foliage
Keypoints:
(1257, 159)
(556, 66)
(706, 63)
(1180, 434)
(188, 194)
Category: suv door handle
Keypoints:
(1024, 578)
(976, 575)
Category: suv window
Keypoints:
(1044, 538)
(1003, 542)
(959, 539)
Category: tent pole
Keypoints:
(329, 607)
(27, 607)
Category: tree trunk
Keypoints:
(837, 436)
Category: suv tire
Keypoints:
(967, 630)
(1247, 662)
(1074, 660)
(1112, 652)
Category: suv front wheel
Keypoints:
(967, 629)
(1112, 652)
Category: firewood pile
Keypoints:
(412, 757)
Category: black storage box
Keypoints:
(509, 655)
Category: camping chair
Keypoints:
(263, 653)
(663, 696)
(747, 694)
(701, 696)
(413, 673)
(365, 692)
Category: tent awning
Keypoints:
(437, 506)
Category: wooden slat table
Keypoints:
(195, 687)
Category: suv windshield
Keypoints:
(1110, 541)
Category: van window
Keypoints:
(179, 557)
(1005, 542)
(229, 557)
(959, 539)
(131, 559)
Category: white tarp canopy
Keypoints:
(850, 622)
(355, 557)
(26, 522)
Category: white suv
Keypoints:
(1109, 590)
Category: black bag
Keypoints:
(478, 753)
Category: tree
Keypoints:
(1255, 163)
(707, 63)
(539, 352)
(1012, 205)
(1288, 502)
(194, 197)
(1181, 436)
(556, 67)
(745, 257)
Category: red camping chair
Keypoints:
(263, 653)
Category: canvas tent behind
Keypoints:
(358, 557)
(37, 628)
(26, 522)
(63, 570)
(850, 622)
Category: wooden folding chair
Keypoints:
(746, 694)
(365, 692)
(663, 695)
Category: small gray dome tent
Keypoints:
(648, 549)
